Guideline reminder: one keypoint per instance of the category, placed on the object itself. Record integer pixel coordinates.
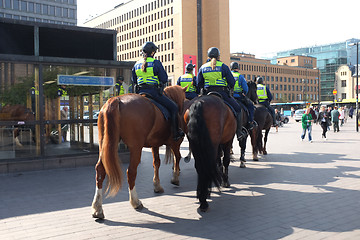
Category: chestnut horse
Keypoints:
(211, 127)
(17, 113)
(136, 121)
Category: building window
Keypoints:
(292, 60)
(31, 7)
(343, 96)
(343, 83)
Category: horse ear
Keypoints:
(184, 88)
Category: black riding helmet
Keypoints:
(189, 67)
(234, 65)
(259, 80)
(149, 47)
(213, 52)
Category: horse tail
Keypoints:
(203, 150)
(109, 137)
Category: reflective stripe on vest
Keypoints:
(187, 80)
(147, 77)
(213, 77)
(261, 92)
(237, 88)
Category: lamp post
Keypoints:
(357, 84)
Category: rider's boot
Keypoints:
(176, 131)
(239, 133)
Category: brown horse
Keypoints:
(136, 121)
(211, 127)
(17, 113)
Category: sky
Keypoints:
(264, 27)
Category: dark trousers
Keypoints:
(163, 100)
(324, 127)
(271, 110)
(249, 105)
(190, 95)
(336, 126)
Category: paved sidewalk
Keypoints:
(300, 190)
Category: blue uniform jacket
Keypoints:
(158, 71)
(225, 72)
(269, 95)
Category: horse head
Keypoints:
(252, 91)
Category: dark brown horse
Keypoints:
(18, 113)
(264, 121)
(136, 121)
(211, 127)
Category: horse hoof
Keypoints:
(159, 190)
(225, 184)
(265, 152)
(98, 215)
(242, 165)
(255, 159)
(204, 207)
(186, 159)
(175, 182)
(140, 207)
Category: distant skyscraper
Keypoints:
(329, 58)
(47, 11)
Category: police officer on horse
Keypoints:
(150, 78)
(265, 97)
(240, 90)
(215, 76)
(188, 79)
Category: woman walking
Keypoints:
(324, 120)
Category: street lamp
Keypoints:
(357, 84)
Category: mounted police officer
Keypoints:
(215, 76)
(150, 78)
(188, 79)
(265, 97)
(240, 90)
(119, 85)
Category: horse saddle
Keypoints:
(216, 94)
(243, 107)
(162, 109)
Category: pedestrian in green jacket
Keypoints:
(306, 124)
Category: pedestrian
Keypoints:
(240, 90)
(278, 119)
(215, 76)
(119, 86)
(306, 124)
(150, 78)
(292, 111)
(64, 127)
(189, 80)
(324, 121)
(313, 114)
(335, 119)
(265, 97)
(342, 116)
(351, 112)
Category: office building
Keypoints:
(329, 58)
(182, 29)
(294, 79)
(345, 83)
(47, 11)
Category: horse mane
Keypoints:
(177, 94)
(252, 91)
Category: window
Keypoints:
(38, 8)
(292, 60)
(31, 7)
(52, 11)
(23, 6)
(343, 83)
(16, 5)
(343, 95)
(8, 4)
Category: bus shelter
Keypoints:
(60, 76)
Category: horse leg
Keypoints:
(156, 165)
(243, 148)
(265, 141)
(188, 157)
(97, 202)
(176, 171)
(135, 156)
(226, 162)
(254, 144)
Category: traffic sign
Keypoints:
(334, 91)
(85, 80)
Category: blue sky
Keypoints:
(261, 27)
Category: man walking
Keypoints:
(335, 119)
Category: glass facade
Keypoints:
(47, 11)
(329, 58)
